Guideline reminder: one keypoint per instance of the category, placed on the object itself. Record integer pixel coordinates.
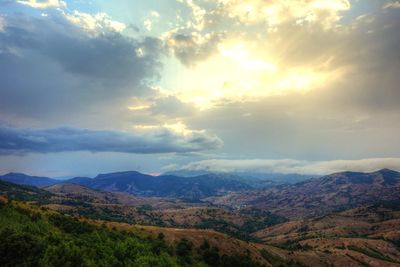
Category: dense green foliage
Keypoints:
(33, 237)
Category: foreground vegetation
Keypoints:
(35, 237)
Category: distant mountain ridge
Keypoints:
(332, 191)
(140, 184)
(252, 178)
(137, 183)
(20, 178)
(321, 195)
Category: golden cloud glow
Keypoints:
(280, 11)
(246, 65)
(240, 71)
(43, 4)
(241, 56)
(142, 107)
(178, 128)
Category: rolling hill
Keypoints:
(136, 183)
(320, 196)
(357, 223)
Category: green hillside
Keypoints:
(32, 236)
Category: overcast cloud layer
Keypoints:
(51, 66)
(202, 82)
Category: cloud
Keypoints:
(288, 166)
(198, 14)
(342, 90)
(323, 12)
(191, 47)
(148, 22)
(312, 126)
(42, 4)
(66, 139)
(51, 65)
(208, 23)
(96, 23)
(391, 4)
(352, 62)
(2, 23)
(171, 106)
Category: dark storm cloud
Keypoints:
(64, 139)
(49, 65)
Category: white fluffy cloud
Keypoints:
(323, 12)
(42, 4)
(99, 22)
(288, 166)
(391, 4)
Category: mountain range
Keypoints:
(319, 196)
(140, 184)
(20, 178)
(342, 219)
(331, 191)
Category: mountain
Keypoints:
(136, 183)
(20, 178)
(84, 181)
(320, 196)
(254, 179)
(79, 192)
(140, 184)
(75, 192)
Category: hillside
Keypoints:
(94, 196)
(371, 235)
(78, 200)
(140, 184)
(25, 193)
(198, 238)
(368, 235)
(254, 179)
(20, 178)
(320, 196)
(34, 237)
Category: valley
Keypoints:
(343, 219)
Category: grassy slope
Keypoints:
(33, 236)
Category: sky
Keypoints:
(299, 86)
